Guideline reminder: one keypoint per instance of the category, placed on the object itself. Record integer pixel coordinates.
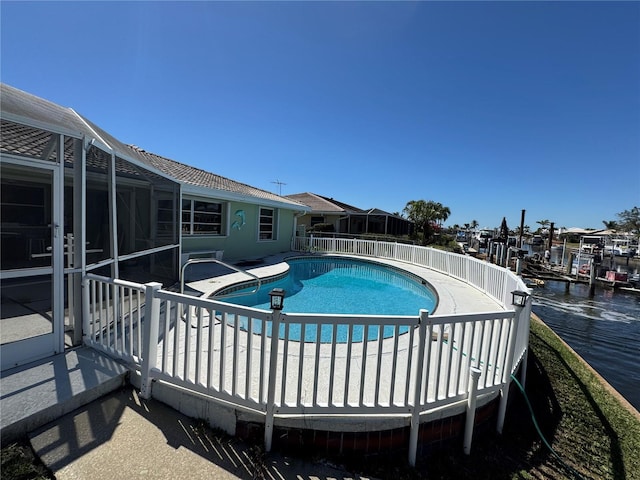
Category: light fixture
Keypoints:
(519, 298)
(277, 298)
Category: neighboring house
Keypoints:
(75, 200)
(324, 211)
(347, 219)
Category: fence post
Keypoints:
(471, 409)
(271, 389)
(508, 366)
(525, 342)
(417, 392)
(86, 310)
(150, 336)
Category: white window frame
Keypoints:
(190, 227)
(272, 235)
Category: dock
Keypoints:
(536, 273)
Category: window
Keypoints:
(166, 217)
(201, 218)
(268, 222)
(316, 220)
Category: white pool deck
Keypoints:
(454, 296)
(34, 394)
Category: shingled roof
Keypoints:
(22, 111)
(201, 178)
(320, 204)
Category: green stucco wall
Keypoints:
(242, 242)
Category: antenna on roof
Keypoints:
(279, 183)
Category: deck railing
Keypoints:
(113, 316)
(277, 363)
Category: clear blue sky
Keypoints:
(487, 108)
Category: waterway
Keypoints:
(604, 329)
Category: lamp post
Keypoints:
(277, 298)
(277, 303)
(519, 299)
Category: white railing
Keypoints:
(316, 364)
(112, 317)
(496, 281)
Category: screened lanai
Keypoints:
(73, 200)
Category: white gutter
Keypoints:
(196, 190)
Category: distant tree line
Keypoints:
(428, 217)
(628, 221)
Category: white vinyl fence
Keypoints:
(301, 364)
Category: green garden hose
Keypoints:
(569, 468)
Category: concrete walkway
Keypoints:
(42, 391)
(122, 435)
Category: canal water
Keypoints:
(604, 329)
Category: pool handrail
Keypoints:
(224, 264)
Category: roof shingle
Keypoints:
(20, 106)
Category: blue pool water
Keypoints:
(341, 286)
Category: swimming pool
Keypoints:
(332, 285)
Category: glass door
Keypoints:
(31, 258)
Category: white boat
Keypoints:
(591, 244)
(620, 247)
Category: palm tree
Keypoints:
(426, 215)
(441, 213)
(544, 224)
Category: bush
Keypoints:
(323, 227)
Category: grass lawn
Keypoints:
(19, 463)
(592, 433)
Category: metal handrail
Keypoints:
(220, 262)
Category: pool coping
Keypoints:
(453, 296)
